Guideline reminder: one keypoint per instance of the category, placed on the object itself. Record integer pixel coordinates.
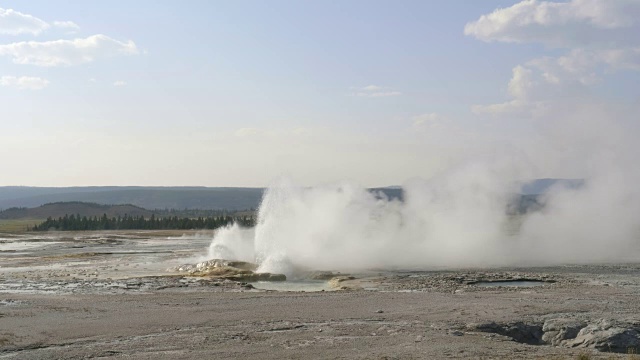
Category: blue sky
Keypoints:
(237, 93)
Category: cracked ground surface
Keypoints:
(345, 324)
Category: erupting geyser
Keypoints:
(455, 220)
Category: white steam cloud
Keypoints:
(455, 220)
(459, 218)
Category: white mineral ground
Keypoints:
(86, 295)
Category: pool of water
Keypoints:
(515, 283)
(293, 285)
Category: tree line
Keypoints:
(78, 223)
(195, 213)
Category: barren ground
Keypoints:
(103, 295)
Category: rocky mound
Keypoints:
(603, 335)
(228, 269)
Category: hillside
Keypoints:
(203, 198)
(56, 210)
(541, 186)
(145, 197)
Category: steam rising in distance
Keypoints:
(455, 220)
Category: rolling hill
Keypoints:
(541, 186)
(61, 209)
(204, 198)
(145, 197)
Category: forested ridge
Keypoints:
(78, 223)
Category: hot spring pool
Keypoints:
(293, 285)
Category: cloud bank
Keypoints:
(16, 23)
(600, 37)
(67, 52)
(575, 23)
(68, 25)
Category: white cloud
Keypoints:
(625, 59)
(561, 24)
(67, 52)
(70, 25)
(120, 83)
(16, 23)
(600, 37)
(373, 91)
(24, 82)
(539, 81)
(521, 82)
(509, 107)
(547, 78)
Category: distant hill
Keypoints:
(203, 198)
(391, 192)
(56, 210)
(145, 197)
(541, 186)
(531, 194)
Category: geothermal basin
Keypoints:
(102, 294)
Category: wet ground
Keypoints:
(114, 294)
(100, 261)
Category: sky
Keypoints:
(239, 93)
